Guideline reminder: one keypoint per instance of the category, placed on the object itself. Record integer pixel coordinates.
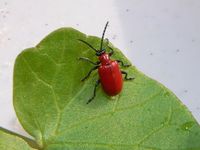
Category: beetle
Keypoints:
(110, 75)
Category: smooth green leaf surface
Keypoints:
(12, 142)
(50, 102)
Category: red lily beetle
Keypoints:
(109, 71)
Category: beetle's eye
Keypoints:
(103, 50)
(98, 53)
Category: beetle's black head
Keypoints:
(100, 52)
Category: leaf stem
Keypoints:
(29, 141)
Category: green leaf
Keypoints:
(50, 102)
(11, 141)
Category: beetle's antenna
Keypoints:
(88, 45)
(103, 35)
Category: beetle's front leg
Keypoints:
(94, 68)
(126, 74)
(122, 63)
(111, 52)
(88, 60)
(94, 92)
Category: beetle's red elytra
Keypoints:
(110, 75)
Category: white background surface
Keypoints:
(160, 37)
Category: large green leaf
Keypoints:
(50, 102)
(11, 141)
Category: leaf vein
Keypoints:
(154, 131)
(139, 104)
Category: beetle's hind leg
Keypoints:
(126, 74)
(94, 92)
(122, 63)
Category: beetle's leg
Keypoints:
(94, 68)
(122, 63)
(126, 74)
(88, 60)
(111, 52)
(94, 92)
